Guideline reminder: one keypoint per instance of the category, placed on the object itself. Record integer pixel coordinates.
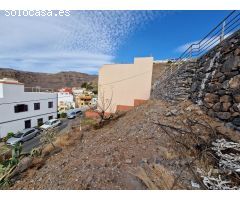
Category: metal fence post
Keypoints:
(223, 30)
(191, 51)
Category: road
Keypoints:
(35, 142)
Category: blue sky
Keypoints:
(86, 40)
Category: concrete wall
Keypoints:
(14, 94)
(123, 83)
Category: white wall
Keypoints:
(13, 95)
(20, 124)
(65, 97)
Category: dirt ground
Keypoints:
(131, 152)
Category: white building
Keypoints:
(94, 101)
(78, 91)
(65, 101)
(20, 109)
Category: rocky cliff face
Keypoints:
(46, 80)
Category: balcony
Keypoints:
(38, 89)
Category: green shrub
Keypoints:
(36, 152)
(63, 115)
(9, 135)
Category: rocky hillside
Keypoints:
(47, 80)
(132, 152)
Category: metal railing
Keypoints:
(38, 89)
(225, 28)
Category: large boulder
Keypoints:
(218, 75)
(237, 52)
(24, 164)
(234, 82)
(225, 99)
(231, 64)
(217, 107)
(223, 115)
(236, 98)
(212, 87)
(226, 106)
(225, 84)
(236, 121)
(236, 107)
(211, 98)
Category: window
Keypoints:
(50, 117)
(40, 121)
(50, 104)
(36, 106)
(28, 124)
(29, 132)
(20, 108)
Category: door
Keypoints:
(40, 122)
(27, 124)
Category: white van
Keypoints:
(73, 113)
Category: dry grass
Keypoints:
(68, 139)
(31, 173)
(47, 150)
(88, 121)
(63, 140)
(154, 176)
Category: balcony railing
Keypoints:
(38, 89)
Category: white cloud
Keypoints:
(207, 43)
(185, 46)
(82, 42)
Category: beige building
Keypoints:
(83, 100)
(124, 85)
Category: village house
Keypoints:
(78, 91)
(66, 89)
(83, 100)
(20, 109)
(65, 101)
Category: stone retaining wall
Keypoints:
(177, 85)
(216, 83)
(212, 81)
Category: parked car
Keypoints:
(23, 136)
(51, 124)
(74, 113)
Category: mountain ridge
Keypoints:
(48, 80)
